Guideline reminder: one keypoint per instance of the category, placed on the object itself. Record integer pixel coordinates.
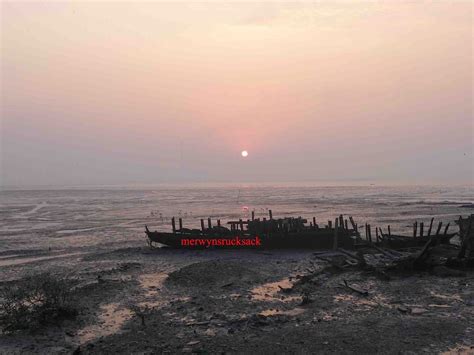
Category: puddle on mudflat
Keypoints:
(271, 292)
(19, 261)
(275, 312)
(374, 301)
(453, 297)
(152, 284)
(111, 320)
(459, 349)
(11, 256)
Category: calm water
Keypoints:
(76, 219)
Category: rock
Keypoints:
(194, 342)
(418, 311)
(210, 333)
(403, 309)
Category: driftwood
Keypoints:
(356, 289)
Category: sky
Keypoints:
(152, 92)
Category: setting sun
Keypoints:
(245, 153)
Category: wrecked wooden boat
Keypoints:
(281, 233)
(417, 239)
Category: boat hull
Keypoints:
(321, 239)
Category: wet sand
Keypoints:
(240, 301)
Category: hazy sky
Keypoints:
(113, 93)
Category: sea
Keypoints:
(107, 217)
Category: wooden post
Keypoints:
(346, 225)
(218, 222)
(353, 224)
(389, 232)
(446, 229)
(421, 229)
(370, 233)
(431, 226)
(241, 224)
(415, 227)
(314, 222)
(209, 223)
(270, 214)
(366, 232)
(330, 224)
(253, 215)
(173, 225)
(341, 222)
(377, 234)
(439, 228)
(381, 234)
(180, 223)
(335, 234)
(202, 225)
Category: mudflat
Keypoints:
(138, 300)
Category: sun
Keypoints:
(244, 153)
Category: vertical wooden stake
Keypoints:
(354, 226)
(389, 232)
(439, 228)
(335, 234)
(446, 229)
(421, 229)
(431, 226)
(370, 234)
(314, 222)
(218, 222)
(270, 214)
(202, 225)
(173, 225)
(415, 227)
(253, 215)
(330, 224)
(377, 234)
(346, 225)
(241, 224)
(180, 223)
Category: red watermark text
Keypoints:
(221, 242)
